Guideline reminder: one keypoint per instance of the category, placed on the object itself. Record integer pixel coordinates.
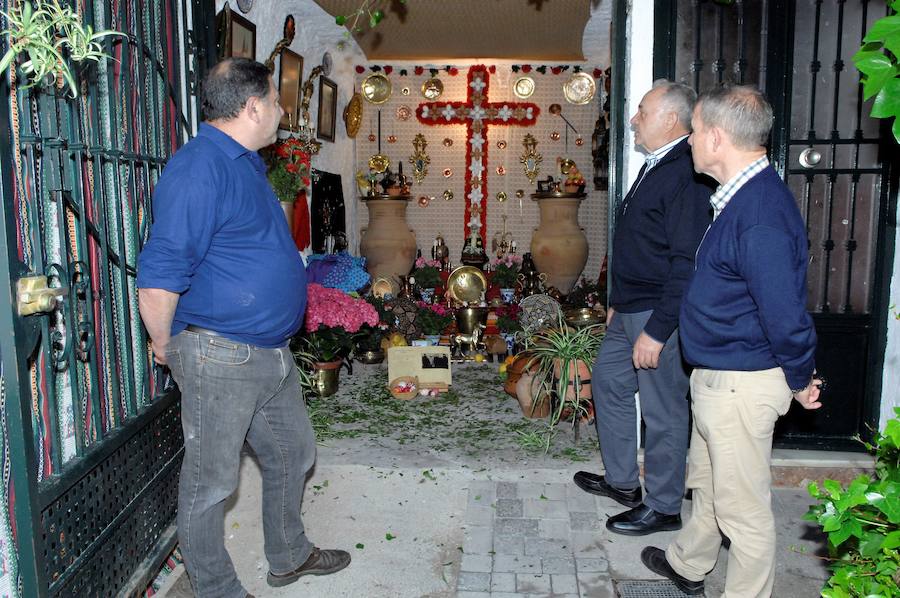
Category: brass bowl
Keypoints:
(376, 88)
(583, 316)
(467, 284)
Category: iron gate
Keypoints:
(836, 160)
(91, 431)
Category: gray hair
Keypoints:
(679, 98)
(742, 111)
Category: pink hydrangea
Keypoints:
(421, 262)
(334, 308)
(510, 260)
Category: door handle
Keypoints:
(809, 158)
(34, 295)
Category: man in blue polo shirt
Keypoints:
(221, 290)
(745, 328)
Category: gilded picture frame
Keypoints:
(326, 121)
(289, 80)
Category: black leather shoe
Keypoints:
(597, 484)
(655, 559)
(320, 562)
(642, 520)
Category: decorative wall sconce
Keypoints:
(419, 159)
(531, 159)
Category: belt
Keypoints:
(207, 331)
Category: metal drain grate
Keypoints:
(647, 589)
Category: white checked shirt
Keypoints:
(725, 192)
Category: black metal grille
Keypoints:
(98, 531)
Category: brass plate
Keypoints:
(523, 87)
(376, 88)
(579, 89)
(432, 89)
(466, 283)
(379, 163)
(403, 112)
(353, 115)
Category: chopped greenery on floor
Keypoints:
(474, 423)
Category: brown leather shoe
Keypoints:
(320, 562)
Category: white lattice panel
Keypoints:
(522, 218)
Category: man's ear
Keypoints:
(252, 108)
(671, 120)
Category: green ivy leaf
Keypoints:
(883, 28)
(895, 129)
(849, 528)
(877, 68)
(892, 540)
(871, 544)
(887, 102)
(833, 488)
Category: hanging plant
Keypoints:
(48, 34)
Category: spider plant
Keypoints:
(557, 352)
(49, 33)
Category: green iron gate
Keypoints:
(91, 432)
(838, 162)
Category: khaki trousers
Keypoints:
(728, 471)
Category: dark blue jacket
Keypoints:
(745, 307)
(658, 228)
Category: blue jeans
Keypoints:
(230, 392)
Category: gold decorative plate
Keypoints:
(523, 87)
(376, 88)
(353, 115)
(579, 89)
(467, 283)
(432, 89)
(382, 286)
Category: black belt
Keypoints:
(198, 330)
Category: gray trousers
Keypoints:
(664, 408)
(231, 391)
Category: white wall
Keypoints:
(317, 33)
(890, 387)
(638, 78)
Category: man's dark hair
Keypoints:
(229, 84)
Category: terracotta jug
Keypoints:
(388, 244)
(558, 246)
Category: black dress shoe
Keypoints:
(655, 559)
(642, 520)
(597, 484)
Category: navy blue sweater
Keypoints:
(658, 227)
(745, 307)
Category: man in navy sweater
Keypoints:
(660, 222)
(745, 328)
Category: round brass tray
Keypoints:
(467, 283)
(376, 88)
(432, 89)
(579, 89)
(523, 87)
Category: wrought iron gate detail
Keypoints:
(91, 429)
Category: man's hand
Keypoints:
(157, 307)
(609, 315)
(159, 353)
(646, 352)
(809, 396)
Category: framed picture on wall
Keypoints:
(289, 79)
(237, 36)
(327, 109)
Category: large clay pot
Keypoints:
(558, 246)
(532, 407)
(514, 372)
(388, 244)
(584, 379)
(288, 208)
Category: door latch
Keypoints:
(34, 295)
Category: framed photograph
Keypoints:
(327, 109)
(289, 80)
(236, 36)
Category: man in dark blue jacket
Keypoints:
(745, 328)
(660, 222)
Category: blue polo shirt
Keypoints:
(220, 239)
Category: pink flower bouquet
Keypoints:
(506, 270)
(333, 321)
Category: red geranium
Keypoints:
(288, 168)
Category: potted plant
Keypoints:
(508, 322)
(288, 172)
(863, 523)
(506, 274)
(333, 322)
(562, 358)
(368, 348)
(433, 319)
(427, 275)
